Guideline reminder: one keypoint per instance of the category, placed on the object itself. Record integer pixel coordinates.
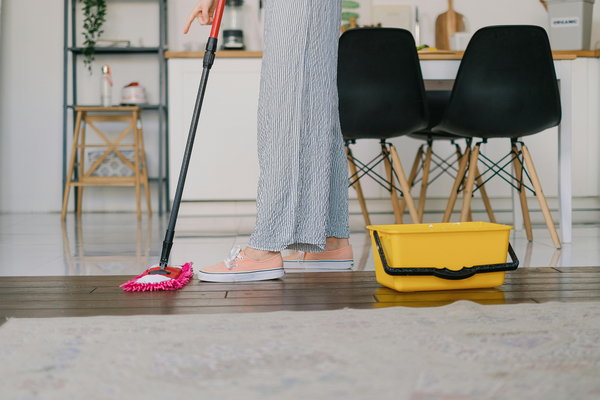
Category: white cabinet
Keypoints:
(224, 164)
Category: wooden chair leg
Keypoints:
(145, 171)
(67, 249)
(390, 176)
(470, 212)
(404, 186)
(528, 254)
(470, 216)
(136, 146)
(357, 187)
(79, 200)
(412, 177)
(468, 192)
(462, 167)
(486, 199)
(555, 259)
(81, 170)
(71, 166)
(522, 194)
(459, 155)
(80, 244)
(424, 183)
(540, 195)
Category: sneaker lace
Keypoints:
(300, 256)
(234, 255)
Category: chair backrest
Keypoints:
(380, 84)
(506, 85)
(438, 101)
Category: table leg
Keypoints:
(565, 148)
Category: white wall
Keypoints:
(31, 89)
(31, 105)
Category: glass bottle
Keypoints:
(106, 87)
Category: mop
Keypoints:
(161, 276)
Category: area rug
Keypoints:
(461, 351)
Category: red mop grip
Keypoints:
(216, 25)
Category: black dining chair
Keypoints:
(422, 166)
(506, 87)
(382, 96)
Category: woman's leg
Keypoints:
(338, 230)
(302, 193)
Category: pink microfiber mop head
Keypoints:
(178, 278)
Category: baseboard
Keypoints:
(586, 210)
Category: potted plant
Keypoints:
(94, 12)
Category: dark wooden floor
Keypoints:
(100, 295)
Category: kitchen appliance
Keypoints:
(233, 25)
(133, 94)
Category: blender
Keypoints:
(233, 25)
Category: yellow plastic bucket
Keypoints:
(449, 256)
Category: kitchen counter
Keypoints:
(225, 155)
(423, 55)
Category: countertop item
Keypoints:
(448, 24)
(133, 93)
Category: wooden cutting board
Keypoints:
(447, 25)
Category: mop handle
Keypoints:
(216, 25)
(209, 58)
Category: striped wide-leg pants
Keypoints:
(302, 189)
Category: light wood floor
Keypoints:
(70, 296)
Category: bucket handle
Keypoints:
(446, 273)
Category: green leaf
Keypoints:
(347, 15)
(350, 4)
